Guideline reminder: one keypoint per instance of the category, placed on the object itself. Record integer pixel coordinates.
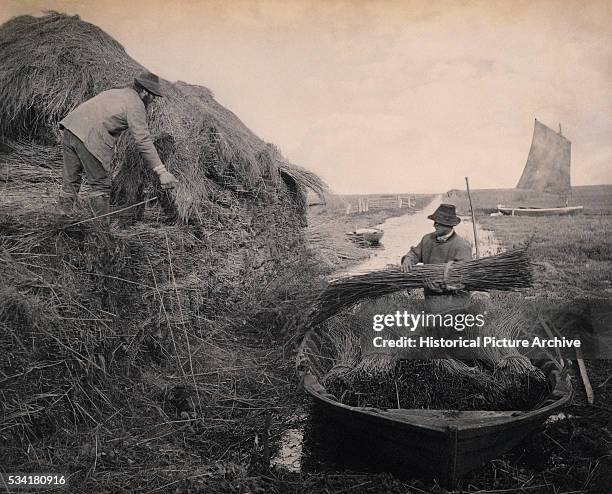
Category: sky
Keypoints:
(386, 96)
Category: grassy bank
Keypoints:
(595, 199)
(573, 260)
(573, 253)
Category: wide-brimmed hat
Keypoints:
(150, 82)
(445, 215)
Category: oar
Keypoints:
(585, 377)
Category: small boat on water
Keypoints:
(443, 444)
(366, 235)
(531, 211)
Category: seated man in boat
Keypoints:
(439, 247)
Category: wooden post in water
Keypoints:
(467, 183)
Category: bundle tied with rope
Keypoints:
(507, 271)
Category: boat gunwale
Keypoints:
(561, 393)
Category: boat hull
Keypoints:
(521, 211)
(439, 444)
(367, 235)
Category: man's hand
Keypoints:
(454, 288)
(434, 287)
(442, 286)
(167, 180)
(407, 265)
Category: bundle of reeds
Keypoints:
(11, 171)
(32, 153)
(346, 347)
(509, 270)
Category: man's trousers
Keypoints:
(78, 160)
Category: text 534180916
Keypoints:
(33, 480)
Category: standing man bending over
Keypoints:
(90, 133)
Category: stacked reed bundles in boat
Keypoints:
(509, 270)
(496, 378)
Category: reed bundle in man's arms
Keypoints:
(506, 271)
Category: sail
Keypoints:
(548, 163)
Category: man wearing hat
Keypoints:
(439, 247)
(90, 133)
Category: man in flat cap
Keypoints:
(439, 247)
(90, 133)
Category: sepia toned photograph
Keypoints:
(306, 246)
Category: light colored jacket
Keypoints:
(99, 121)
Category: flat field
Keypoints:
(573, 254)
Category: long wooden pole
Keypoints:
(112, 212)
(467, 183)
(588, 389)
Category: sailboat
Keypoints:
(547, 170)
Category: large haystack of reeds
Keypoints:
(50, 64)
(506, 271)
(106, 329)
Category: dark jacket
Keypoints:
(431, 251)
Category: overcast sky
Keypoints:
(384, 96)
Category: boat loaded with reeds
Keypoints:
(411, 410)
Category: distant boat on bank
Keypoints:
(525, 211)
(366, 235)
(547, 171)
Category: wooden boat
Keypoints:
(440, 444)
(366, 235)
(530, 211)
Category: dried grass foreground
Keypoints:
(139, 358)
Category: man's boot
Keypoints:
(66, 202)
